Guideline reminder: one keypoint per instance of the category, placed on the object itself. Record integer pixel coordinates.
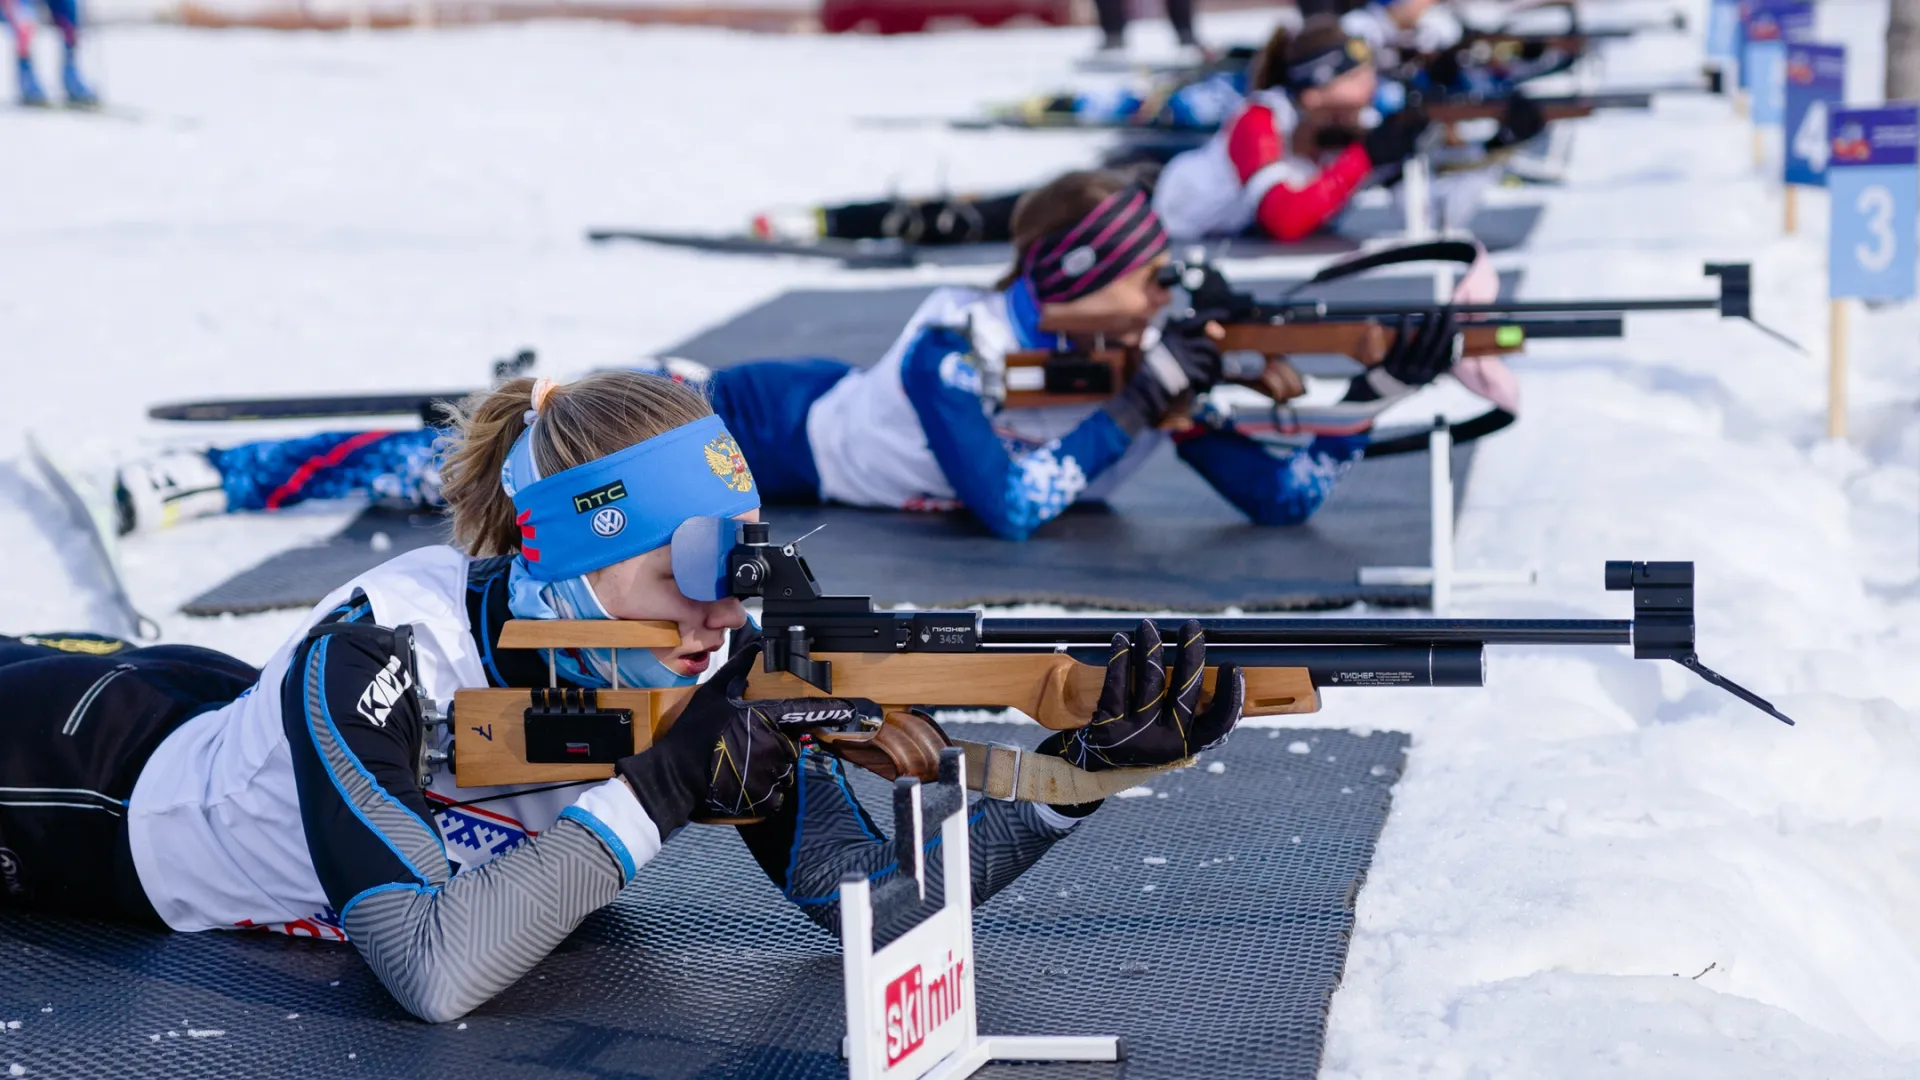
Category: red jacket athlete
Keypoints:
(1268, 168)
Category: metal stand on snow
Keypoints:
(910, 1003)
(1439, 573)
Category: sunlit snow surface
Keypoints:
(1595, 867)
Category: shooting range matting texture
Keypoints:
(302, 576)
(1166, 540)
(1217, 963)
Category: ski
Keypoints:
(424, 404)
(95, 517)
(427, 405)
(852, 254)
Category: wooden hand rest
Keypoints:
(1057, 691)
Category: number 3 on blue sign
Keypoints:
(1874, 181)
(1875, 203)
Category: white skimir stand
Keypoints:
(910, 1003)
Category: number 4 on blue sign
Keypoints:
(1816, 84)
(1874, 183)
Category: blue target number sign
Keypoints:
(1766, 70)
(1816, 79)
(1788, 21)
(1873, 180)
(1723, 31)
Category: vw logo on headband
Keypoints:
(609, 521)
(1079, 260)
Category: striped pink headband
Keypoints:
(1117, 237)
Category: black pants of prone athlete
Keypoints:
(960, 220)
(1113, 19)
(79, 717)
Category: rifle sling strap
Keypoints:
(1010, 773)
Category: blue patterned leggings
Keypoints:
(388, 466)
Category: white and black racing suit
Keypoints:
(297, 806)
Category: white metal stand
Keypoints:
(910, 1004)
(1439, 573)
(1416, 191)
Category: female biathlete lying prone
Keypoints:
(1306, 91)
(177, 787)
(1292, 149)
(925, 427)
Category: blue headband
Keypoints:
(627, 503)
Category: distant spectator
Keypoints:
(1113, 23)
(66, 16)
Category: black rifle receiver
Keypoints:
(799, 619)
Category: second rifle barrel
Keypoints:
(1350, 665)
(1284, 630)
(1311, 309)
(1541, 329)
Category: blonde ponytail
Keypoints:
(578, 422)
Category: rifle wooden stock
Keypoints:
(490, 745)
(1036, 378)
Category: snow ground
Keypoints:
(1596, 866)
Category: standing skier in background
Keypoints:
(66, 16)
(1114, 17)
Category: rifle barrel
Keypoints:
(1539, 329)
(1283, 630)
(1312, 310)
(1349, 665)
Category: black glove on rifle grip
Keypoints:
(1396, 137)
(1148, 714)
(1522, 121)
(1184, 361)
(723, 757)
(1424, 348)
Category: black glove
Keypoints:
(1424, 347)
(1335, 139)
(1393, 141)
(1185, 360)
(724, 758)
(1522, 121)
(1444, 70)
(1146, 714)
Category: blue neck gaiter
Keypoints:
(573, 598)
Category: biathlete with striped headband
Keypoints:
(927, 426)
(179, 787)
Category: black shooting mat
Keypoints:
(302, 576)
(1218, 962)
(1166, 540)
